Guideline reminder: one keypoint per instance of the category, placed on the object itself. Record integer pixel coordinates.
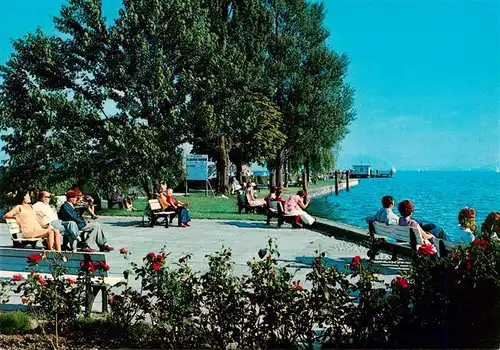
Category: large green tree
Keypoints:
(309, 86)
(104, 101)
(232, 113)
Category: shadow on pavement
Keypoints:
(243, 224)
(134, 223)
(383, 268)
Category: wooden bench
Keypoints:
(115, 198)
(395, 235)
(154, 211)
(275, 210)
(13, 261)
(403, 236)
(18, 241)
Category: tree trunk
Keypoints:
(239, 171)
(305, 176)
(147, 188)
(272, 179)
(286, 172)
(279, 168)
(223, 167)
(308, 172)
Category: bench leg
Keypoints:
(269, 217)
(394, 254)
(167, 220)
(104, 299)
(280, 221)
(88, 299)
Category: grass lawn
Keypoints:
(211, 207)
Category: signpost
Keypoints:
(197, 169)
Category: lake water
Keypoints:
(438, 196)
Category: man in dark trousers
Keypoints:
(93, 238)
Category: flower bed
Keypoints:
(450, 302)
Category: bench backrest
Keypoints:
(14, 229)
(280, 208)
(400, 233)
(13, 259)
(154, 204)
(60, 200)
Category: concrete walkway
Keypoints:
(297, 246)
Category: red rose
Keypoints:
(101, 265)
(40, 279)
(468, 264)
(481, 243)
(114, 298)
(401, 282)
(160, 257)
(151, 255)
(124, 251)
(87, 266)
(17, 277)
(355, 261)
(453, 255)
(297, 285)
(156, 266)
(70, 280)
(34, 259)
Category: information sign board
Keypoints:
(196, 166)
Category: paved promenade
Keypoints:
(296, 246)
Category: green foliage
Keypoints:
(15, 322)
(110, 103)
(451, 302)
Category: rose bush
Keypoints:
(448, 302)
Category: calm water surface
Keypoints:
(438, 196)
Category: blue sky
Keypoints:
(427, 80)
(426, 74)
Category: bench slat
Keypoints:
(25, 252)
(107, 280)
(15, 259)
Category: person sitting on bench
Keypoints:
(48, 216)
(466, 229)
(295, 206)
(30, 227)
(490, 229)
(84, 201)
(406, 209)
(127, 202)
(183, 216)
(385, 214)
(272, 195)
(93, 236)
(162, 196)
(250, 196)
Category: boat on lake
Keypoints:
(365, 171)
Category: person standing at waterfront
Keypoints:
(385, 214)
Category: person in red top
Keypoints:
(183, 216)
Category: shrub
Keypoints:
(15, 322)
(58, 299)
(449, 302)
(453, 301)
